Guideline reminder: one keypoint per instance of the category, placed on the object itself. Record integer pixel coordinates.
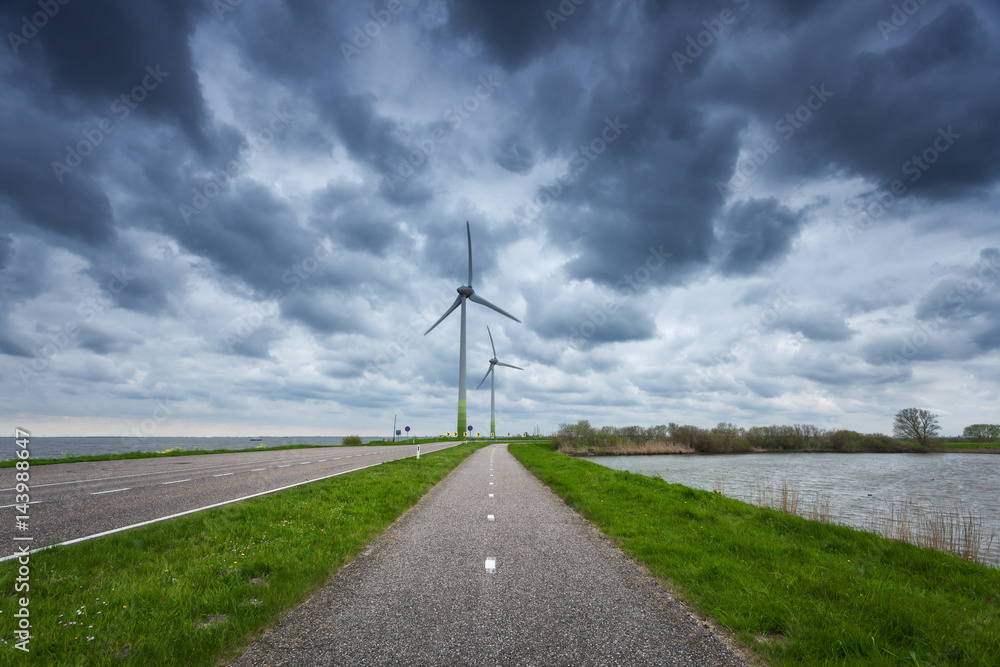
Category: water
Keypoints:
(45, 448)
(856, 485)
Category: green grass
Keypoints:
(797, 592)
(144, 595)
(974, 446)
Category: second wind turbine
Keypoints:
(466, 292)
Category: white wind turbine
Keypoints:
(494, 362)
(466, 292)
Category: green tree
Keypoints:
(982, 432)
(916, 424)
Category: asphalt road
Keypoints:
(560, 594)
(70, 501)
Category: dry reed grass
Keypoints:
(960, 532)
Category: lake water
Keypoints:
(45, 448)
(856, 485)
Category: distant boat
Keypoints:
(256, 439)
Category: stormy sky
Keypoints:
(225, 217)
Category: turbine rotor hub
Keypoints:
(466, 291)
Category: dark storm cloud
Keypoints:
(6, 250)
(515, 156)
(755, 233)
(588, 320)
(76, 208)
(914, 106)
(92, 57)
(515, 33)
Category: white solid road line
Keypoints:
(186, 512)
(33, 502)
(97, 493)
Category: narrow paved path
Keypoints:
(561, 593)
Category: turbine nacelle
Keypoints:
(466, 291)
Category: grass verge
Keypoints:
(798, 592)
(195, 590)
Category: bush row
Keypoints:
(582, 438)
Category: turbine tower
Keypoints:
(465, 292)
(494, 362)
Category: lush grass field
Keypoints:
(798, 592)
(193, 590)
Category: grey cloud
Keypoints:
(816, 326)
(755, 233)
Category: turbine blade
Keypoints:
(500, 363)
(468, 233)
(491, 341)
(484, 377)
(483, 302)
(458, 301)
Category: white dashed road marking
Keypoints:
(97, 493)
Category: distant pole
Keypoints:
(394, 428)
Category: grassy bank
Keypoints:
(971, 447)
(193, 590)
(798, 592)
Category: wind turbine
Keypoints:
(465, 292)
(494, 362)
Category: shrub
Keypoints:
(352, 440)
(982, 432)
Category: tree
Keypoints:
(982, 432)
(916, 424)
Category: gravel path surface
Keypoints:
(561, 593)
